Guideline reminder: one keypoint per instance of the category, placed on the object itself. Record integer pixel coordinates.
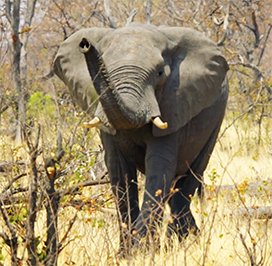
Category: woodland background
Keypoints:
(61, 216)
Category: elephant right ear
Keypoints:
(198, 71)
(70, 66)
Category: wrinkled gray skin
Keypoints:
(141, 72)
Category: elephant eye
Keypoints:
(161, 72)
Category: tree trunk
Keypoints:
(16, 68)
(19, 66)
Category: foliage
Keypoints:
(41, 105)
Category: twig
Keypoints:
(131, 16)
(264, 45)
(148, 11)
(71, 223)
(78, 186)
(109, 16)
(234, 121)
(13, 241)
(52, 208)
(225, 28)
(8, 10)
(248, 65)
(255, 28)
(32, 205)
(248, 251)
(16, 178)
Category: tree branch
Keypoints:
(265, 43)
(248, 65)
(30, 10)
(8, 11)
(148, 11)
(16, 178)
(225, 28)
(108, 14)
(61, 244)
(131, 16)
(13, 242)
(80, 185)
(33, 195)
(255, 29)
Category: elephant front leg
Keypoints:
(125, 190)
(123, 178)
(186, 186)
(160, 166)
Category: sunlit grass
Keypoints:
(229, 235)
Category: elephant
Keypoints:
(162, 93)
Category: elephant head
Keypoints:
(143, 74)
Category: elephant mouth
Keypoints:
(96, 122)
(126, 104)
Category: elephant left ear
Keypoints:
(70, 66)
(198, 71)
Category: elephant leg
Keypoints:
(183, 220)
(160, 166)
(123, 178)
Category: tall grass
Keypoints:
(232, 231)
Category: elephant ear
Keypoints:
(198, 71)
(70, 66)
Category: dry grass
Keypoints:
(227, 237)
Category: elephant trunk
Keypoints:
(124, 101)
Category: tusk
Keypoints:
(158, 123)
(93, 123)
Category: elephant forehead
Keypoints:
(133, 43)
(133, 53)
(128, 47)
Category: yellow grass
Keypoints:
(226, 238)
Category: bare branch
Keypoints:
(264, 45)
(4, 108)
(80, 185)
(248, 65)
(71, 223)
(148, 11)
(30, 10)
(13, 242)
(52, 207)
(16, 178)
(255, 29)
(60, 150)
(6, 239)
(131, 16)
(225, 28)
(8, 10)
(33, 195)
(109, 16)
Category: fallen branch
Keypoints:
(255, 212)
(251, 189)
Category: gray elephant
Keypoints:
(162, 97)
